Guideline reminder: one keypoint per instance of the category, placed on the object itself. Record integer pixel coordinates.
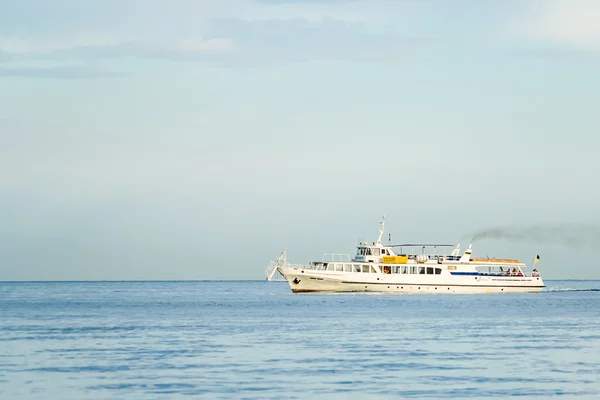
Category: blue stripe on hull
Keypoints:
(465, 273)
(481, 274)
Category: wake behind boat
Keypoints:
(378, 268)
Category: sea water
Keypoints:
(255, 339)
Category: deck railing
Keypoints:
(271, 272)
(336, 257)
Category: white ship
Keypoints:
(379, 268)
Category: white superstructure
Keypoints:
(399, 269)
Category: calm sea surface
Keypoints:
(169, 340)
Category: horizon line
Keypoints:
(198, 280)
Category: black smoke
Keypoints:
(569, 234)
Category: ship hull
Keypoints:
(306, 281)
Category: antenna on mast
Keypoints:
(381, 229)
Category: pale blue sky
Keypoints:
(146, 139)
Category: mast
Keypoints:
(381, 230)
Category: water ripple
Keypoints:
(255, 340)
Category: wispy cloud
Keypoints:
(30, 58)
(301, 40)
(62, 72)
(251, 32)
(4, 56)
(237, 41)
(17, 46)
(555, 53)
(22, 47)
(247, 32)
(571, 23)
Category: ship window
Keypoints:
(429, 270)
(339, 267)
(373, 270)
(421, 270)
(368, 252)
(330, 267)
(376, 252)
(356, 268)
(413, 270)
(347, 267)
(438, 271)
(365, 268)
(404, 270)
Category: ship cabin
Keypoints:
(418, 259)
(374, 253)
(373, 257)
(386, 254)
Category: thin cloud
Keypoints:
(30, 59)
(572, 23)
(109, 45)
(5, 57)
(233, 42)
(248, 32)
(555, 54)
(67, 72)
(302, 40)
